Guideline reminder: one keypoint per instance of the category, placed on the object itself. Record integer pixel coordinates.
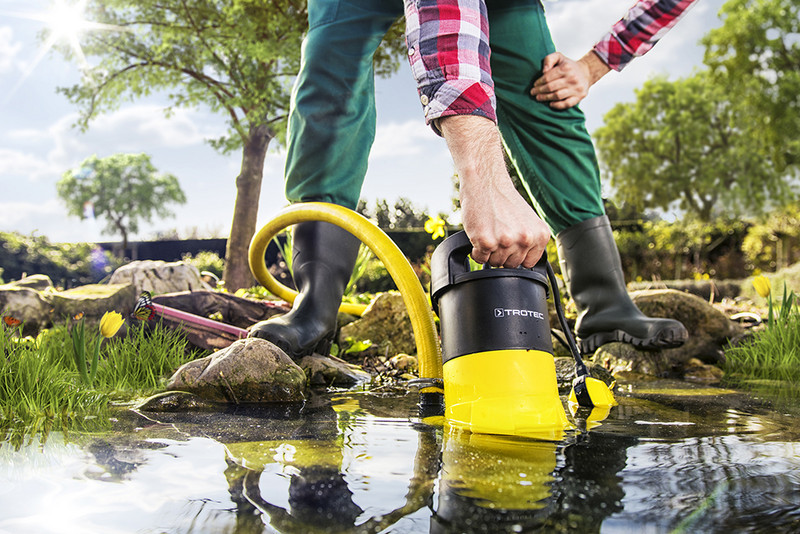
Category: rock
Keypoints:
(176, 401)
(38, 282)
(404, 362)
(159, 277)
(93, 301)
(703, 373)
(26, 305)
(709, 331)
(330, 371)
(249, 371)
(386, 323)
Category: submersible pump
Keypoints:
(497, 353)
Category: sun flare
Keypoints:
(64, 23)
(66, 20)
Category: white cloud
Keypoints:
(8, 49)
(143, 126)
(407, 138)
(48, 218)
(16, 163)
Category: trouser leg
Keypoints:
(551, 149)
(332, 113)
(555, 158)
(331, 129)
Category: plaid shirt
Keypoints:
(640, 29)
(448, 50)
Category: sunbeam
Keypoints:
(63, 22)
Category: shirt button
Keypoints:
(411, 51)
(424, 99)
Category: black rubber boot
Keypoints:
(592, 270)
(323, 257)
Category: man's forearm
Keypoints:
(595, 67)
(503, 229)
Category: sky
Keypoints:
(38, 142)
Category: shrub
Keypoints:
(67, 264)
(206, 261)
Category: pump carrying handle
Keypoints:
(450, 266)
(449, 259)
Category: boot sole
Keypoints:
(591, 343)
(322, 347)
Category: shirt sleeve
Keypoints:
(639, 30)
(448, 50)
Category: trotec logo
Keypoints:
(511, 312)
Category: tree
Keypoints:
(681, 143)
(236, 57)
(755, 55)
(124, 189)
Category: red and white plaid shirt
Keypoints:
(448, 50)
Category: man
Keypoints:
(332, 126)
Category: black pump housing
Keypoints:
(489, 309)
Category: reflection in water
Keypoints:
(357, 463)
(485, 483)
(501, 484)
(319, 498)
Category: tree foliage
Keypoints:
(682, 144)
(755, 56)
(124, 189)
(234, 57)
(402, 216)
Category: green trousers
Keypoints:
(332, 116)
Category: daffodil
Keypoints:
(110, 323)
(764, 288)
(435, 227)
(762, 285)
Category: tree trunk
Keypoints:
(245, 212)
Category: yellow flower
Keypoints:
(110, 323)
(435, 227)
(762, 285)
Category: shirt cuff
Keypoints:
(613, 52)
(457, 97)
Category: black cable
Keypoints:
(580, 367)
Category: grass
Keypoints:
(770, 361)
(41, 389)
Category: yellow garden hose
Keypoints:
(430, 358)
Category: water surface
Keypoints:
(670, 458)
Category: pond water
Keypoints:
(670, 458)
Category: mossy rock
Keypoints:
(93, 301)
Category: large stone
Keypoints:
(709, 331)
(159, 277)
(329, 371)
(386, 323)
(249, 371)
(39, 282)
(93, 301)
(26, 305)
